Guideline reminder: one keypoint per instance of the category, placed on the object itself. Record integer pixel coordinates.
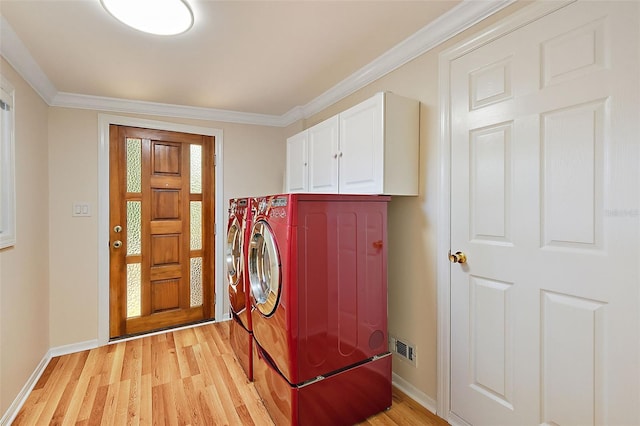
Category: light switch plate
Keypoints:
(81, 209)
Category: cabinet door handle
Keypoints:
(341, 155)
(335, 155)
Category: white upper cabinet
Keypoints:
(297, 175)
(323, 156)
(371, 148)
(361, 155)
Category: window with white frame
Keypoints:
(7, 166)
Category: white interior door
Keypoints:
(544, 203)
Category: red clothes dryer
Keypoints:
(240, 329)
(317, 268)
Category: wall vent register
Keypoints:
(403, 349)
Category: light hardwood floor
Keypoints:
(182, 377)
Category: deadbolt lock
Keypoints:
(117, 228)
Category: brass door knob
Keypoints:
(117, 244)
(457, 257)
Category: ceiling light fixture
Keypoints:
(161, 17)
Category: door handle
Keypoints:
(457, 257)
(117, 244)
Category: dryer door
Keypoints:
(264, 268)
(234, 266)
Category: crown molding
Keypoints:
(458, 19)
(16, 53)
(100, 103)
(293, 115)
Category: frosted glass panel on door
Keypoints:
(134, 279)
(134, 165)
(196, 225)
(196, 169)
(196, 281)
(134, 237)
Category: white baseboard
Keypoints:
(414, 393)
(9, 416)
(11, 413)
(73, 348)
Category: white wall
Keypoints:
(24, 269)
(253, 165)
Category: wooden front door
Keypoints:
(161, 229)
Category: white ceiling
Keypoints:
(256, 57)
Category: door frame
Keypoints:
(104, 120)
(505, 26)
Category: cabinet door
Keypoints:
(323, 157)
(361, 159)
(297, 169)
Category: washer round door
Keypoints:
(264, 268)
(234, 252)
(234, 267)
